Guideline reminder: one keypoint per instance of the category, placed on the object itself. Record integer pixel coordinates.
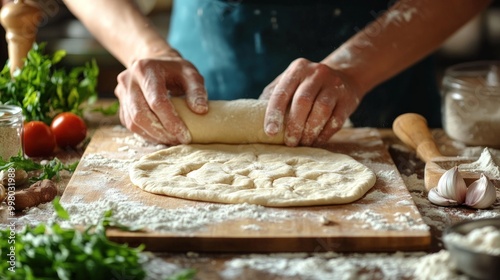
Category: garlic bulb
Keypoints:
(450, 190)
(436, 198)
(481, 193)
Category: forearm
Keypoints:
(408, 31)
(120, 28)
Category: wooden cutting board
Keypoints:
(385, 219)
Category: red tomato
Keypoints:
(39, 140)
(69, 129)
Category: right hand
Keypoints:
(144, 91)
(310, 102)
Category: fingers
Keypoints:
(196, 94)
(136, 115)
(334, 124)
(318, 117)
(349, 102)
(162, 114)
(268, 90)
(278, 104)
(145, 106)
(315, 99)
(300, 110)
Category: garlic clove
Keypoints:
(481, 193)
(435, 197)
(452, 186)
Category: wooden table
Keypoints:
(214, 266)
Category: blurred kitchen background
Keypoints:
(478, 40)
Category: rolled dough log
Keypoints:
(229, 122)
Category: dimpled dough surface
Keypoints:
(269, 175)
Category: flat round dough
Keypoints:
(269, 175)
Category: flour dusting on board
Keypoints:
(132, 143)
(401, 221)
(187, 219)
(98, 160)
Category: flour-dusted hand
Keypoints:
(314, 99)
(144, 91)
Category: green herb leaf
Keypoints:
(183, 275)
(43, 90)
(50, 170)
(111, 110)
(53, 252)
(60, 211)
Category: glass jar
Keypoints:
(11, 131)
(471, 103)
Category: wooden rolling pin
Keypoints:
(20, 21)
(412, 129)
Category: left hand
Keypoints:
(314, 99)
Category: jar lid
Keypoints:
(477, 76)
(7, 112)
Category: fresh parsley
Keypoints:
(53, 252)
(50, 170)
(110, 110)
(43, 90)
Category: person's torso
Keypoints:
(240, 46)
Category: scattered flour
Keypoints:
(157, 268)
(438, 266)
(405, 220)
(347, 266)
(375, 196)
(251, 227)
(441, 217)
(476, 151)
(487, 163)
(302, 266)
(182, 220)
(35, 215)
(135, 141)
(485, 240)
(402, 221)
(413, 183)
(98, 160)
(387, 175)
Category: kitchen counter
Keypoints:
(330, 265)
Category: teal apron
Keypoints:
(240, 46)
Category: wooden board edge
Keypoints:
(184, 244)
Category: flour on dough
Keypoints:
(269, 175)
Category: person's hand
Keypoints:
(312, 99)
(144, 90)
